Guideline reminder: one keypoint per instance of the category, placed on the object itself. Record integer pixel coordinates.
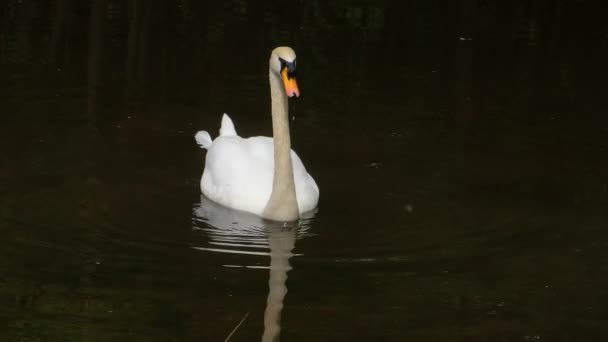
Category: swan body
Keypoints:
(261, 175)
(239, 171)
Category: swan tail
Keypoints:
(203, 139)
(227, 128)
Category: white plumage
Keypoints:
(239, 171)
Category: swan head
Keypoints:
(283, 64)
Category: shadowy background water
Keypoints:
(460, 149)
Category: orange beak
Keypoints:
(291, 86)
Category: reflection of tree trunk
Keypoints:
(23, 26)
(57, 31)
(166, 44)
(132, 41)
(557, 25)
(137, 45)
(458, 63)
(7, 13)
(281, 244)
(4, 15)
(96, 48)
(142, 44)
(399, 14)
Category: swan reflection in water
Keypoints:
(231, 231)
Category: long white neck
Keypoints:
(283, 205)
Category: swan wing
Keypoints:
(307, 191)
(239, 174)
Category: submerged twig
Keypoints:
(237, 326)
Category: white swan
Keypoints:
(261, 175)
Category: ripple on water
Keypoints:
(232, 232)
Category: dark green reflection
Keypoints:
(459, 147)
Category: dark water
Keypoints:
(461, 152)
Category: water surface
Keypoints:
(460, 151)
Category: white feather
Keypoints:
(239, 172)
(203, 139)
